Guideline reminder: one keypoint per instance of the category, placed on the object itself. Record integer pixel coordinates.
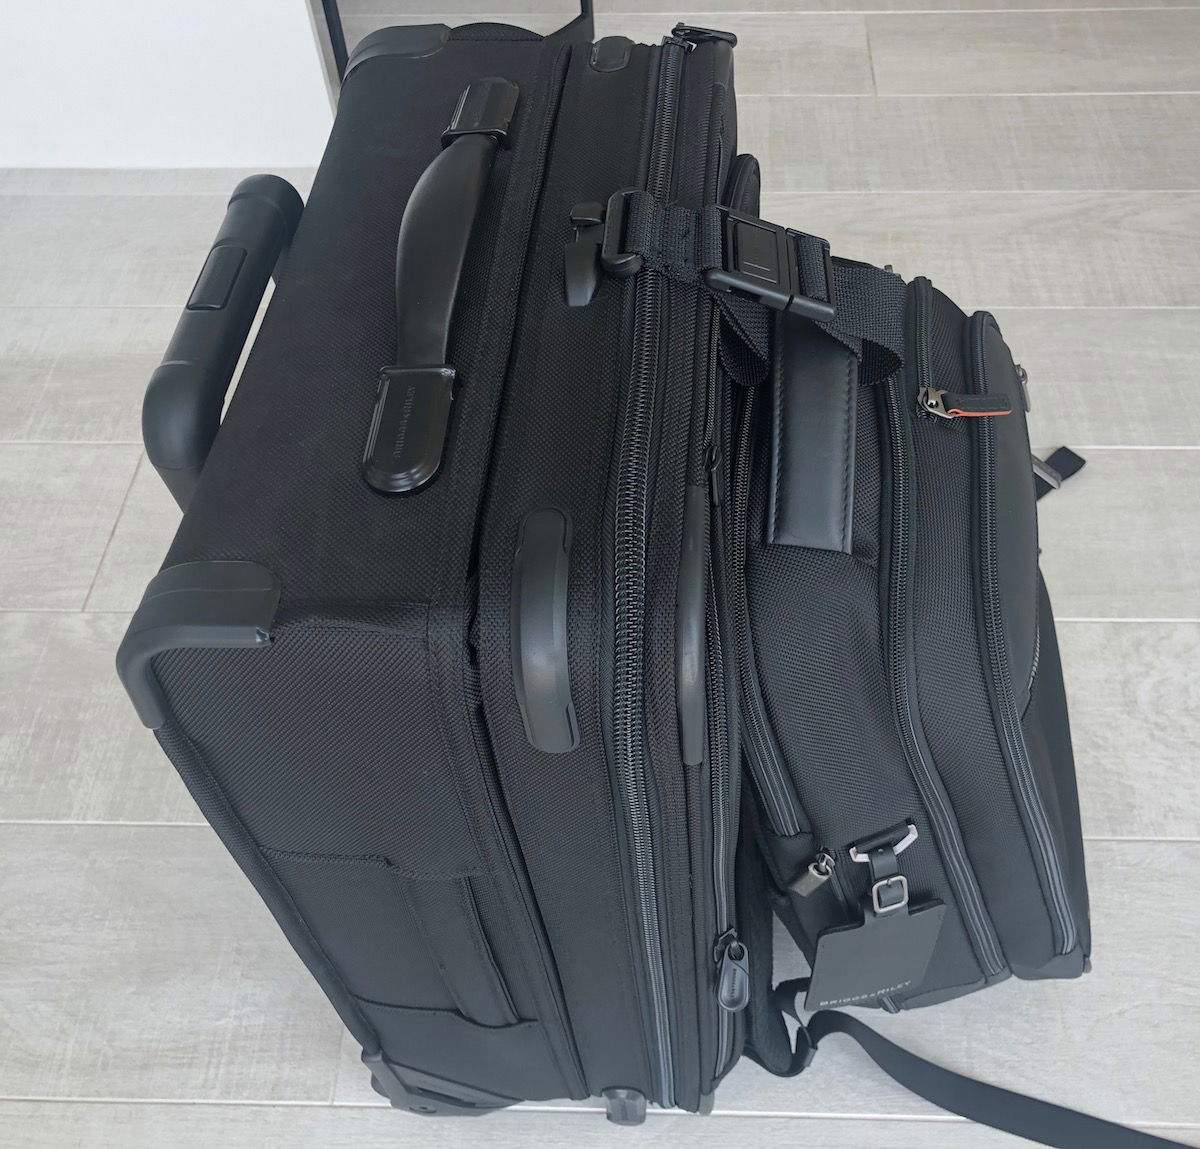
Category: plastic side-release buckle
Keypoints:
(762, 261)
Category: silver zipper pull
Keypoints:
(819, 871)
(953, 405)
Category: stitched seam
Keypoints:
(487, 961)
(777, 478)
(378, 861)
(847, 478)
(431, 947)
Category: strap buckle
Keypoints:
(764, 262)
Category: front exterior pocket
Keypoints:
(411, 940)
(1012, 497)
(510, 1060)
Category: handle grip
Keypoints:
(181, 412)
(412, 409)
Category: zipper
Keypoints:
(771, 778)
(1016, 750)
(629, 591)
(900, 652)
(721, 777)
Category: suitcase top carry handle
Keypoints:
(408, 428)
(181, 412)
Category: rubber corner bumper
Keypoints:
(412, 42)
(194, 605)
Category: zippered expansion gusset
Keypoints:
(629, 592)
(723, 780)
(941, 818)
(997, 648)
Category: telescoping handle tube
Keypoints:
(181, 412)
(408, 428)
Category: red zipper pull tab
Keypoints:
(954, 405)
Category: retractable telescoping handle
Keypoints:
(181, 412)
(581, 28)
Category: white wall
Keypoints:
(160, 83)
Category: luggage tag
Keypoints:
(889, 950)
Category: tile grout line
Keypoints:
(111, 534)
(580, 1110)
(526, 1107)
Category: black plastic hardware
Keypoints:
(762, 260)
(624, 1106)
(581, 256)
(613, 256)
(485, 108)
(540, 666)
(696, 35)
(610, 54)
(409, 425)
(733, 973)
(181, 412)
(196, 605)
(427, 1095)
(409, 41)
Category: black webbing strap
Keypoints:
(1060, 465)
(683, 244)
(1014, 1113)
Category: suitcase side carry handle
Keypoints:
(181, 412)
(408, 428)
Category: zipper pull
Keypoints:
(733, 972)
(819, 871)
(953, 404)
(1023, 382)
(714, 464)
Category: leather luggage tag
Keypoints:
(883, 954)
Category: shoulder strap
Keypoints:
(1015, 1113)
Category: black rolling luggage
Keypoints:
(560, 490)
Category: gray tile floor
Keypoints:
(1037, 157)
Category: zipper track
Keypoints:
(719, 749)
(993, 625)
(949, 841)
(773, 783)
(719, 760)
(629, 591)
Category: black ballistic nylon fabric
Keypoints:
(815, 617)
(954, 704)
(316, 746)
(282, 484)
(1048, 733)
(345, 737)
(554, 438)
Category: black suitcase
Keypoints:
(558, 489)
